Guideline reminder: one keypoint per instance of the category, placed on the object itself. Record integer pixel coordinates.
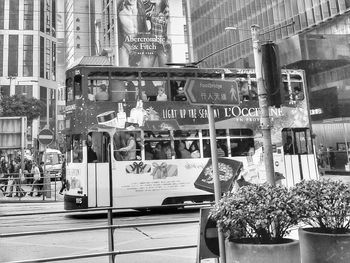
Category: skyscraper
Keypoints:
(28, 54)
(313, 35)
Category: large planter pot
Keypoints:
(316, 247)
(288, 252)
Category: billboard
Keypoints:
(144, 28)
(13, 132)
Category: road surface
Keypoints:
(64, 244)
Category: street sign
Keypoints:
(212, 91)
(208, 242)
(45, 136)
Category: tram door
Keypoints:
(98, 170)
(299, 158)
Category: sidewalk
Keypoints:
(55, 196)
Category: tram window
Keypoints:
(158, 146)
(206, 149)
(121, 90)
(177, 90)
(242, 147)
(219, 133)
(241, 132)
(127, 145)
(97, 144)
(77, 146)
(98, 89)
(297, 91)
(77, 87)
(69, 148)
(186, 133)
(222, 148)
(287, 92)
(221, 145)
(181, 149)
(69, 89)
(248, 91)
(154, 90)
(297, 141)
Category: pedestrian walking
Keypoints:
(63, 177)
(10, 178)
(36, 180)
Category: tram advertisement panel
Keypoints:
(172, 115)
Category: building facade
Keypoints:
(79, 30)
(28, 55)
(313, 35)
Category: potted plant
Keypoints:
(255, 221)
(325, 208)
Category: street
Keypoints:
(55, 245)
(77, 243)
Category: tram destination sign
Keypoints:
(45, 136)
(212, 91)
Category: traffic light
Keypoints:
(272, 74)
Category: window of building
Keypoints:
(1, 54)
(27, 55)
(52, 103)
(2, 9)
(48, 17)
(5, 90)
(53, 18)
(347, 4)
(326, 10)
(13, 55)
(53, 61)
(186, 34)
(42, 57)
(42, 17)
(28, 14)
(25, 90)
(47, 59)
(43, 98)
(14, 17)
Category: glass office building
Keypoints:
(313, 35)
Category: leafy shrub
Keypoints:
(262, 214)
(324, 204)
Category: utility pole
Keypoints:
(217, 187)
(265, 123)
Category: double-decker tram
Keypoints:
(133, 139)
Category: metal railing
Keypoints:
(19, 186)
(111, 253)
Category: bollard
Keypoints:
(47, 185)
